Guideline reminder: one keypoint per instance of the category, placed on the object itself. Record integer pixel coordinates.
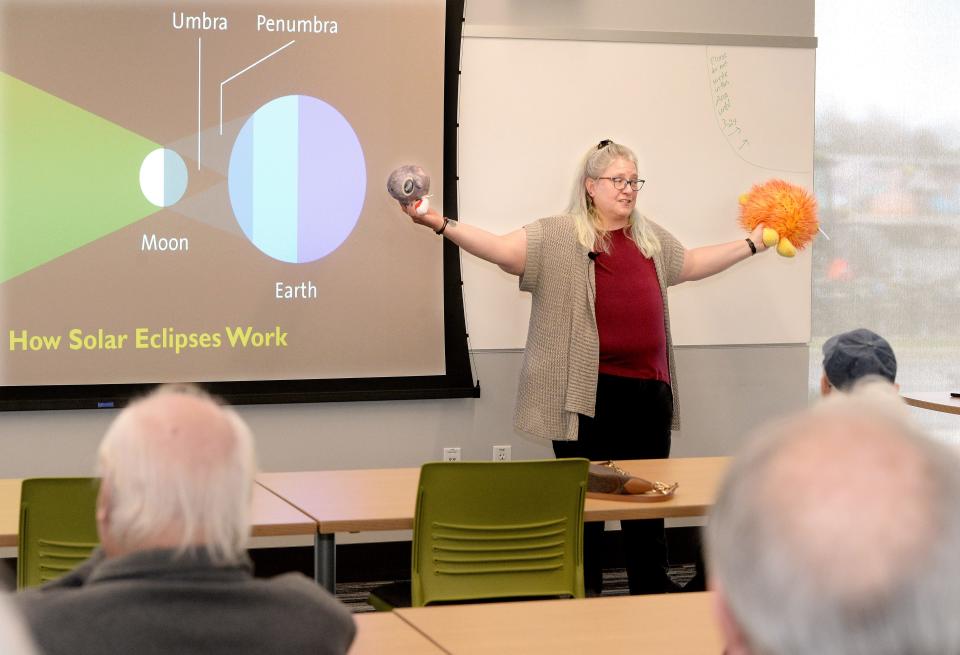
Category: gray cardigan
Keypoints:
(558, 378)
(155, 602)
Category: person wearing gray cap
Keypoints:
(854, 355)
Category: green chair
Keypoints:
(58, 527)
(496, 530)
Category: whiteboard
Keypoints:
(706, 122)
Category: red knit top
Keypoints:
(629, 310)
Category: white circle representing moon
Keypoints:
(163, 177)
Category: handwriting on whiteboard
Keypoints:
(722, 92)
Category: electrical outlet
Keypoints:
(501, 453)
(451, 454)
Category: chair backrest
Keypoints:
(485, 530)
(58, 527)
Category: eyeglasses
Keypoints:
(620, 183)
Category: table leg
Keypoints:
(325, 561)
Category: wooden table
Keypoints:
(383, 499)
(271, 516)
(385, 632)
(938, 401)
(699, 479)
(9, 512)
(679, 624)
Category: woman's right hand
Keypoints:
(431, 219)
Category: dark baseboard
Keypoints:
(368, 562)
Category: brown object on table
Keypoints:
(608, 479)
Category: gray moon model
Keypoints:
(408, 183)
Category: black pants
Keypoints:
(631, 421)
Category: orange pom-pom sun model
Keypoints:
(788, 212)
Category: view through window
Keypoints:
(887, 178)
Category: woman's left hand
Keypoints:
(757, 237)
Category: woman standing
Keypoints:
(598, 375)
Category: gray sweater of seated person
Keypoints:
(154, 602)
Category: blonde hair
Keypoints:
(589, 229)
(177, 463)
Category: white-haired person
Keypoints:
(598, 376)
(14, 637)
(837, 531)
(172, 574)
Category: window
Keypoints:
(887, 178)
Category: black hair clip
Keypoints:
(603, 144)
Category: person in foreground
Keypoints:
(172, 574)
(837, 531)
(852, 356)
(14, 638)
(598, 376)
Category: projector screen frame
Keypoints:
(457, 381)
